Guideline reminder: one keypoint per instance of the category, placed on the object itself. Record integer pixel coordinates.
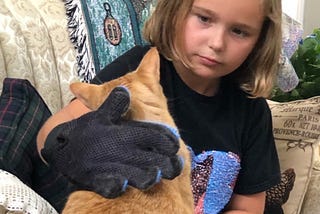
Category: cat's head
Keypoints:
(147, 99)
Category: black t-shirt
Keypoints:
(228, 121)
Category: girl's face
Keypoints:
(220, 34)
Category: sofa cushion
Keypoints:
(311, 201)
(35, 45)
(103, 30)
(296, 127)
(12, 44)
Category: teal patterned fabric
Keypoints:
(87, 22)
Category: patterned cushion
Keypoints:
(16, 197)
(102, 30)
(22, 113)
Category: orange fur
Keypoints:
(147, 103)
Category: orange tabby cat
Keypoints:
(147, 103)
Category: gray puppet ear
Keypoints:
(292, 32)
(287, 79)
(116, 104)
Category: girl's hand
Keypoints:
(104, 153)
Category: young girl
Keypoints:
(218, 61)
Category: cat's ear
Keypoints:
(90, 95)
(150, 65)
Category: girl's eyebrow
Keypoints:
(201, 9)
(214, 15)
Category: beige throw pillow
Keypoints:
(296, 127)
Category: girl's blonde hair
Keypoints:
(164, 29)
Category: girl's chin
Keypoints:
(206, 74)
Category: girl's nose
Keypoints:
(217, 39)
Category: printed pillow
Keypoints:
(296, 127)
(22, 113)
(102, 30)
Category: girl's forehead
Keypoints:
(242, 11)
(238, 6)
(243, 5)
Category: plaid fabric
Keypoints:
(22, 113)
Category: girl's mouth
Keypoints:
(208, 61)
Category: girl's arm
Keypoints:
(246, 204)
(71, 111)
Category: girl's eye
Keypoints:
(203, 19)
(239, 32)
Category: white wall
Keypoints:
(311, 18)
(306, 12)
(294, 8)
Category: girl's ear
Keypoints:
(149, 66)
